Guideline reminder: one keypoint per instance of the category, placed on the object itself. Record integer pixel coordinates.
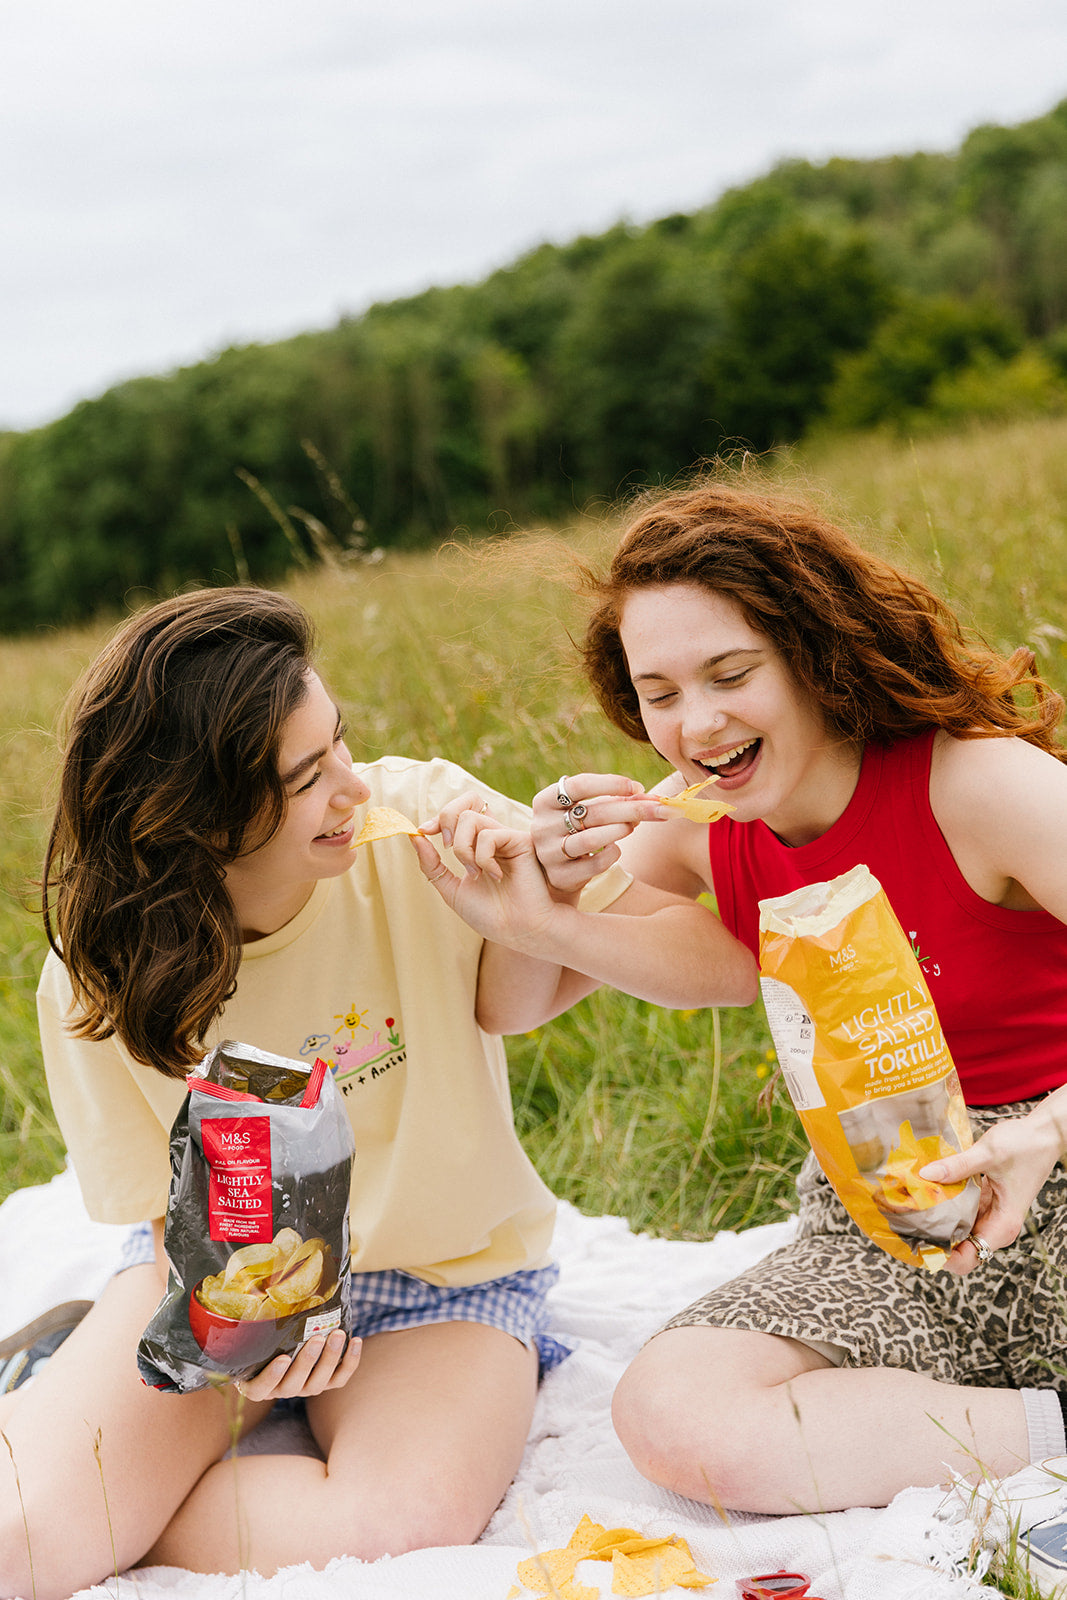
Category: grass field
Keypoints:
(624, 1107)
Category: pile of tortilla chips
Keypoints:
(265, 1281)
(690, 807)
(639, 1566)
(382, 822)
(900, 1188)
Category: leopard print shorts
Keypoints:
(1004, 1325)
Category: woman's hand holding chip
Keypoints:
(448, 818)
(322, 1362)
(502, 893)
(578, 841)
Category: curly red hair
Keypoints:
(878, 652)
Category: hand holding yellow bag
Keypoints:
(866, 1063)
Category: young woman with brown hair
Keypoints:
(201, 885)
(848, 719)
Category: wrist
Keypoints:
(1048, 1124)
(550, 937)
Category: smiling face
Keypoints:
(718, 700)
(269, 884)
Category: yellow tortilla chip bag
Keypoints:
(382, 822)
(866, 1063)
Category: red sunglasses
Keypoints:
(775, 1586)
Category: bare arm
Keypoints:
(544, 953)
(663, 949)
(1002, 807)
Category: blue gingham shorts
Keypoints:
(382, 1302)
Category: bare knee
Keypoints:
(436, 1512)
(715, 1430)
(653, 1413)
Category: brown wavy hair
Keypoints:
(878, 652)
(169, 774)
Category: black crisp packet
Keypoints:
(257, 1219)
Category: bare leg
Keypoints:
(421, 1445)
(86, 1427)
(760, 1423)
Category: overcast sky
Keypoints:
(180, 175)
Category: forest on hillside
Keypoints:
(908, 292)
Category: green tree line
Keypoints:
(897, 292)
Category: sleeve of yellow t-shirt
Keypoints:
(114, 1114)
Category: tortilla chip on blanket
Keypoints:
(639, 1566)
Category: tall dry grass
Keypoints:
(624, 1107)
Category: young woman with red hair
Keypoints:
(848, 718)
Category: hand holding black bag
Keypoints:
(257, 1220)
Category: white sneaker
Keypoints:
(1044, 1550)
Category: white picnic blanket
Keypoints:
(615, 1289)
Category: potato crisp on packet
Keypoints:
(866, 1063)
(257, 1220)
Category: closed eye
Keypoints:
(338, 738)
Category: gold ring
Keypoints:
(985, 1251)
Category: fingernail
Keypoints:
(446, 837)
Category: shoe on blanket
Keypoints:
(1044, 1550)
(25, 1352)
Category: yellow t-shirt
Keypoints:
(376, 975)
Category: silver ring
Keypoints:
(985, 1251)
(572, 819)
(563, 799)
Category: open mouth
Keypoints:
(339, 832)
(733, 763)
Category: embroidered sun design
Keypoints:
(352, 1019)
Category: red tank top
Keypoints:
(998, 977)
